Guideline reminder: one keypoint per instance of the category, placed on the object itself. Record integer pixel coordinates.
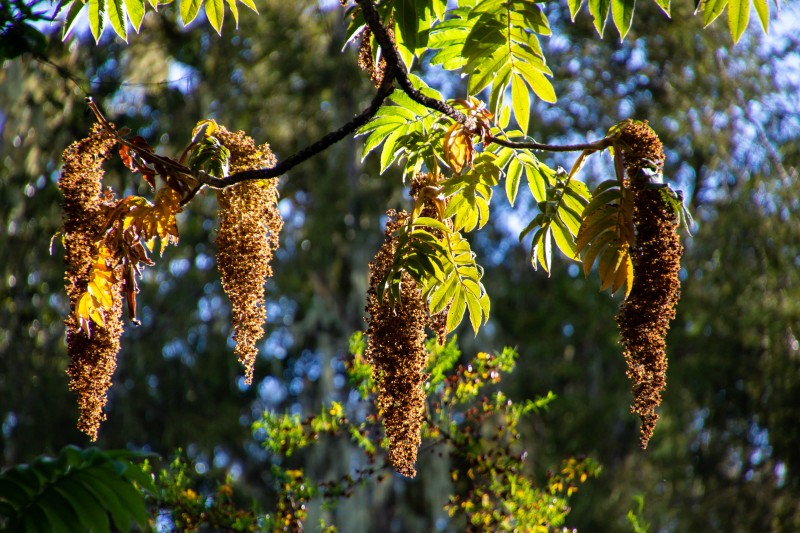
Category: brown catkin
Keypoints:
(396, 351)
(92, 358)
(644, 317)
(249, 226)
(365, 61)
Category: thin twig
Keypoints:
(290, 162)
(595, 146)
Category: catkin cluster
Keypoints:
(396, 351)
(249, 226)
(365, 61)
(644, 317)
(92, 357)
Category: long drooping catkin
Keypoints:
(396, 350)
(644, 317)
(249, 226)
(92, 355)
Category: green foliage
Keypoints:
(78, 490)
(495, 43)
(407, 130)
(559, 219)
(181, 498)
(635, 516)
(119, 12)
(492, 487)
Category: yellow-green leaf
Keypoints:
(215, 11)
(622, 12)
(738, 17)
(234, 11)
(762, 8)
(250, 4)
(712, 9)
(116, 14)
(97, 17)
(189, 10)
(135, 9)
(521, 101)
(599, 11)
(574, 7)
(456, 312)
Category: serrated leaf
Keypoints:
(563, 238)
(215, 12)
(60, 514)
(406, 27)
(599, 11)
(91, 513)
(603, 219)
(475, 312)
(595, 248)
(712, 9)
(457, 310)
(117, 17)
(607, 266)
(624, 275)
(574, 7)
(189, 10)
(250, 4)
(622, 13)
(521, 102)
(762, 9)
(135, 10)
(443, 294)
(664, 5)
(513, 175)
(73, 9)
(234, 12)
(97, 17)
(738, 18)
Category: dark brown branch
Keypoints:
(396, 66)
(290, 162)
(594, 146)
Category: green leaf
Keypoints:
(622, 13)
(574, 7)
(762, 9)
(406, 25)
(215, 11)
(443, 294)
(97, 17)
(73, 9)
(60, 511)
(738, 18)
(456, 312)
(135, 10)
(513, 174)
(599, 11)
(92, 514)
(234, 11)
(250, 4)
(521, 102)
(116, 14)
(665, 7)
(712, 9)
(475, 312)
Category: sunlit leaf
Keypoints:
(622, 13)
(97, 18)
(215, 11)
(135, 10)
(117, 17)
(738, 17)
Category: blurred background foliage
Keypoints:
(726, 453)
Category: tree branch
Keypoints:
(292, 161)
(396, 66)
(600, 144)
